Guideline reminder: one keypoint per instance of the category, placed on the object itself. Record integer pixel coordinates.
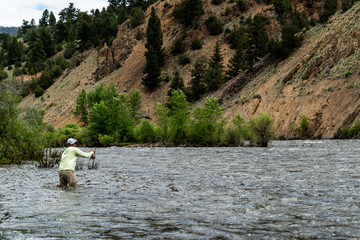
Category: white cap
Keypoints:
(71, 141)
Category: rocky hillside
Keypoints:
(320, 80)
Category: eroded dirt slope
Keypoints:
(311, 82)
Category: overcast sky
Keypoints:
(12, 12)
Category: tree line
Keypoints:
(110, 118)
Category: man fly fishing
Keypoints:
(67, 163)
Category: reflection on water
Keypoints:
(291, 190)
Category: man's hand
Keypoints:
(94, 151)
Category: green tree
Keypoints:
(145, 131)
(208, 124)
(236, 63)
(152, 69)
(44, 20)
(188, 11)
(241, 129)
(137, 17)
(258, 39)
(304, 127)
(154, 37)
(15, 50)
(330, 8)
(48, 41)
(52, 20)
(81, 107)
(197, 83)
(214, 25)
(177, 83)
(36, 57)
(263, 129)
(155, 56)
(163, 120)
(215, 73)
(179, 117)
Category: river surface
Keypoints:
(290, 190)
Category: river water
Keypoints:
(290, 190)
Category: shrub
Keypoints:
(138, 35)
(208, 124)
(348, 73)
(214, 25)
(145, 131)
(263, 129)
(137, 17)
(241, 129)
(184, 59)
(179, 46)
(39, 91)
(242, 5)
(304, 127)
(3, 74)
(17, 72)
(70, 49)
(179, 117)
(217, 2)
(106, 140)
(196, 44)
(188, 11)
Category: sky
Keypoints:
(13, 12)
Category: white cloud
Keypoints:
(13, 12)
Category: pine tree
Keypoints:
(236, 63)
(258, 39)
(36, 56)
(155, 56)
(44, 20)
(188, 11)
(154, 36)
(47, 40)
(214, 75)
(152, 69)
(197, 86)
(177, 83)
(52, 20)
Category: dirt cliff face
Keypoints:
(320, 80)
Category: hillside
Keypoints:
(310, 82)
(10, 30)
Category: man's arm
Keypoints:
(80, 153)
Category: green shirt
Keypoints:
(69, 157)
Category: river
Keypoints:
(290, 190)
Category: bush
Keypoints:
(188, 11)
(217, 2)
(214, 25)
(39, 91)
(179, 46)
(304, 127)
(138, 35)
(241, 129)
(196, 44)
(3, 74)
(17, 72)
(145, 131)
(208, 124)
(137, 17)
(263, 129)
(106, 140)
(242, 5)
(184, 59)
(70, 49)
